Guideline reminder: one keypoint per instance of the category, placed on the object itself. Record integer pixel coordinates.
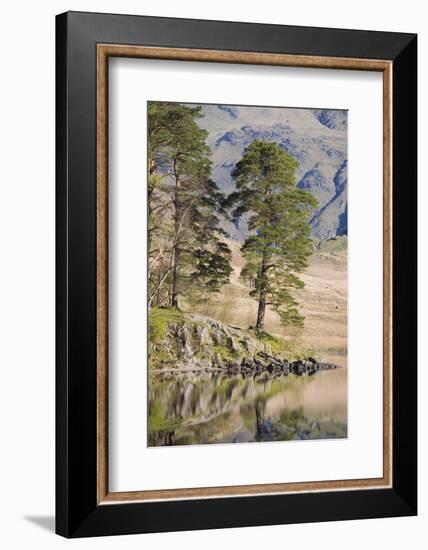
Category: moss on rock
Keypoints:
(190, 341)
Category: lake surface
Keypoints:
(199, 408)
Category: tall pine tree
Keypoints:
(279, 246)
(187, 251)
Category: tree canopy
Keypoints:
(186, 245)
(279, 246)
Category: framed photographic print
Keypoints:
(236, 274)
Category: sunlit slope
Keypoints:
(323, 302)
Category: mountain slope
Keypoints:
(317, 139)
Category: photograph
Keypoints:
(205, 345)
(247, 241)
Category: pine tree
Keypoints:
(279, 246)
(184, 206)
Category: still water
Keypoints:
(198, 408)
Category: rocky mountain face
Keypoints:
(317, 139)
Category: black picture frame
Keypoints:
(77, 511)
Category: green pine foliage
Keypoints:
(188, 255)
(278, 213)
(187, 252)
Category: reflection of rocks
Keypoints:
(311, 366)
(294, 425)
(211, 382)
(207, 407)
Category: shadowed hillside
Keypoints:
(315, 138)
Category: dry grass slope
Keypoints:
(323, 302)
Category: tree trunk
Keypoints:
(175, 274)
(259, 407)
(261, 311)
(262, 297)
(176, 250)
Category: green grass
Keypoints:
(291, 350)
(225, 353)
(159, 318)
(277, 345)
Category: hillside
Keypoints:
(317, 139)
(323, 302)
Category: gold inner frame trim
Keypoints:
(104, 51)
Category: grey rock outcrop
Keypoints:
(195, 342)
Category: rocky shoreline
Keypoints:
(192, 343)
(264, 362)
(257, 366)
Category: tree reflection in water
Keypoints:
(198, 408)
